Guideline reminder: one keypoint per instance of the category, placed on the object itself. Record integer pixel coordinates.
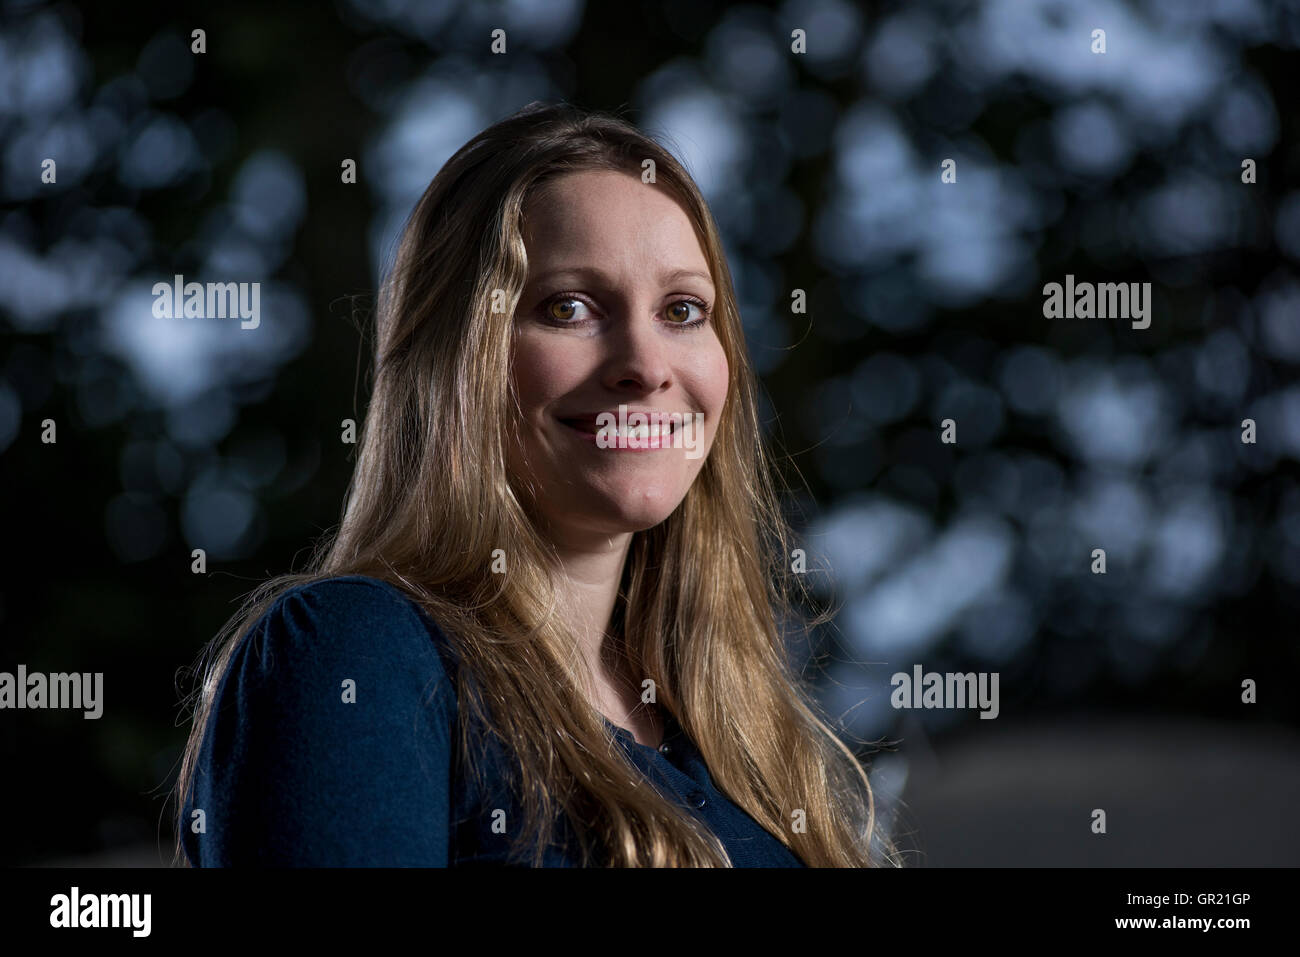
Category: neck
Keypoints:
(590, 572)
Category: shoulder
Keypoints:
(352, 611)
(351, 626)
(331, 736)
(354, 600)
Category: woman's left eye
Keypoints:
(679, 312)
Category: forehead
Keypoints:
(603, 212)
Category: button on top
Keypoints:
(665, 748)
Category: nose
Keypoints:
(638, 353)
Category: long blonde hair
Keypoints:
(704, 594)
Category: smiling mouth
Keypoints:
(663, 429)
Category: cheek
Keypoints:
(540, 372)
(713, 389)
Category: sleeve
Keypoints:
(331, 739)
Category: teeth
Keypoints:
(661, 430)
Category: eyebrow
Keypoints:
(594, 273)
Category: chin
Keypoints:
(629, 510)
(642, 520)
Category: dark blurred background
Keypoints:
(1120, 691)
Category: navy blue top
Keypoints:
(295, 769)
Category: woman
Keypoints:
(529, 614)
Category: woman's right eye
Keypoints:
(563, 309)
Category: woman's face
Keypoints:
(616, 312)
